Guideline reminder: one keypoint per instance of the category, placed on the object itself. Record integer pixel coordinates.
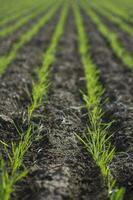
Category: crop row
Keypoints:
(111, 37)
(111, 7)
(6, 60)
(15, 16)
(17, 152)
(12, 28)
(115, 19)
(125, 6)
(97, 139)
(16, 10)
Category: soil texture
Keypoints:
(59, 166)
(117, 79)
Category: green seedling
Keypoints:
(15, 156)
(97, 138)
(16, 152)
(114, 19)
(111, 37)
(6, 60)
(40, 89)
(19, 11)
(12, 28)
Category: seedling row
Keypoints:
(66, 101)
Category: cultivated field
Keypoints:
(66, 100)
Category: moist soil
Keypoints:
(117, 80)
(7, 42)
(127, 21)
(59, 167)
(26, 12)
(124, 38)
(16, 84)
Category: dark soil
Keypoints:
(118, 82)
(127, 21)
(59, 168)
(16, 84)
(7, 42)
(125, 39)
(27, 11)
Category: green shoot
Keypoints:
(6, 60)
(15, 160)
(111, 37)
(40, 89)
(96, 140)
(116, 20)
(17, 152)
(12, 28)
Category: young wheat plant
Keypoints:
(96, 139)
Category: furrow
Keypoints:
(16, 84)
(6, 60)
(111, 37)
(11, 29)
(117, 81)
(97, 140)
(8, 42)
(66, 100)
(111, 12)
(18, 150)
(16, 15)
(123, 35)
(58, 165)
(15, 12)
(121, 13)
